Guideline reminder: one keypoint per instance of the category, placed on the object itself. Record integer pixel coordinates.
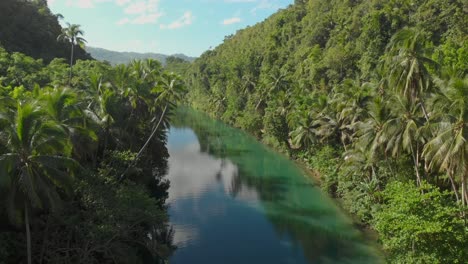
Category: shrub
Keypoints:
(421, 225)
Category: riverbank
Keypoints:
(318, 179)
(313, 174)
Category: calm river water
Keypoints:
(232, 200)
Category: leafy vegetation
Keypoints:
(29, 27)
(373, 96)
(83, 159)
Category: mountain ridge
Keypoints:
(124, 57)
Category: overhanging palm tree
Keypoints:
(169, 91)
(72, 34)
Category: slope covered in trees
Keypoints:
(82, 161)
(29, 27)
(372, 95)
(82, 147)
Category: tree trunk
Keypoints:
(44, 240)
(28, 232)
(416, 165)
(464, 193)
(146, 143)
(454, 187)
(71, 63)
(424, 110)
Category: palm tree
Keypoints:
(72, 34)
(407, 61)
(32, 163)
(304, 134)
(346, 106)
(64, 107)
(169, 91)
(302, 117)
(276, 82)
(100, 111)
(448, 149)
(402, 131)
(370, 132)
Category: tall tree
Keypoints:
(448, 149)
(72, 34)
(33, 164)
(408, 61)
(169, 90)
(370, 132)
(402, 131)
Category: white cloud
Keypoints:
(231, 21)
(185, 20)
(141, 19)
(123, 21)
(81, 3)
(144, 12)
(122, 2)
(136, 8)
(147, 19)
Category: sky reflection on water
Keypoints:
(233, 201)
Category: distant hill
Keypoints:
(115, 57)
(29, 27)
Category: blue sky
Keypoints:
(163, 26)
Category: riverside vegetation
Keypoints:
(82, 161)
(82, 153)
(373, 95)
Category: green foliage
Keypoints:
(30, 27)
(325, 160)
(177, 65)
(420, 225)
(69, 171)
(386, 81)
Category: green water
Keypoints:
(232, 200)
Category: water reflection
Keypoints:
(233, 201)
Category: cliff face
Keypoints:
(29, 27)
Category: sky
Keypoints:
(163, 26)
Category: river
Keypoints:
(233, 200)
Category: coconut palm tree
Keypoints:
(370, 132)
(100, 111)
(64, 107)
(169, 92)
(448, 149)
(408, 61)
(346, 107)
(304, 134)
(402, 131)
(72, 34)
(33, 164)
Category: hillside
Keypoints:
(115, 57)
(29, 27)
(370, 95)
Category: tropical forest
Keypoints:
(332, 131)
